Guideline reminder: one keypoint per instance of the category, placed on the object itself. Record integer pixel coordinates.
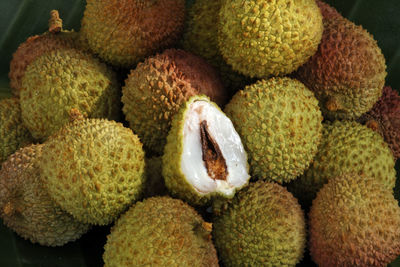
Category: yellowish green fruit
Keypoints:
(354, 221)
(13, 133)
(346, 146)
(204, 157)
(280, 124)
(94, 169)
(124, 33)
(55, 38)
(61, 80)
(263, 226)
(26, 207)
(265, 38)
(201, 38)
(160, 231)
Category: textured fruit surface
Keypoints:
(354, 221)
(94, 169)
(13, 134)
(155, 90)
(384, 117)
(26, 207)
(263, 226)
(34, 47)
(160, 231)
(327, 11)
(124, 33)
(201, 38)
(346, 146)
(155, 185)
(204, 157)
(348, 71)
(264, 38)
(58, 81)
(279, 122)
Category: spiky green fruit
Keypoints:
(61, 80)
(265, 38)
(348, 71)
(160, 231)
(201, 38)
(94, 169)
(156, 89)
(26, 207)
(279, 122)
(354, 221)
(346, 146)
(55, 38)
(124, 33)
(204, 156)
(13, 133)
(263, 226)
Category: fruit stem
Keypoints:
(55, 22)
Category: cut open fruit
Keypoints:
(204, 156)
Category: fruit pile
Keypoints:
(227, 133)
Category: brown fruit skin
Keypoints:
(33, 48)
(384, 117)
(327, 11)
(124, 33)
(155, 90)
(348, 71)
(354, 221)
(160, 231)
(26, 207)
(13, 134)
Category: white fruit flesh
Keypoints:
(220, 129)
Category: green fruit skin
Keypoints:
(346, 146)
(94, 169)
(26, 207)
(13, 134)
(263, 226)
(280, 125)
(63, 79)
(175, 180)
(160, 231)
(201, 38)
(354, 221)
(268, 38)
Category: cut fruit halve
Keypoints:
(204, 156)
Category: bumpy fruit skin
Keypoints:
(384, 117)
(63, 79)
(26, 207)
(155, 90)
(174, 233)
(34, 47)
(346, 146)
(94, 169)
(201, 38)
(354, 221)
(13, 133)
(155, 185)
(327, 11)
(124, 33)
(268, 38)
(264, 225)
(280, 125)
(348, 71)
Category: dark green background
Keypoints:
(22, 18)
